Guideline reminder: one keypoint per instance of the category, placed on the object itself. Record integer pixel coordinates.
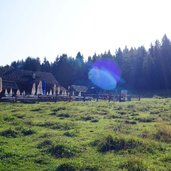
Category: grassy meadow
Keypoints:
(86, 136)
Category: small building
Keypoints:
(7, 85)
(77, 90)
(24, 79)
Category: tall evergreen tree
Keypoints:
(45, 66)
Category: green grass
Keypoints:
(85, 136)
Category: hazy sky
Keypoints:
(40, 28)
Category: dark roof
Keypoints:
(29, 76)
(4, 70)
(79, 88)
(9, 84)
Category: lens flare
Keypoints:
(105, 74)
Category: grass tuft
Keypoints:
(62, 151)
(134, 164)
(67, 167)
(10, 133)
(109, 143)
(130, 144)
(45, 143)
(163, 133)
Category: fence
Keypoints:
(87, 97)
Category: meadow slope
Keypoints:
(85, 136)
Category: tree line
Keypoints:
(141, 69)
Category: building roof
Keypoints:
(4, 70)
(28, 76)
(9, 84)
(24, 79)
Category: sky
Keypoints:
(47, 28)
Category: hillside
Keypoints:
(86, 136)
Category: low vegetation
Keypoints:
(86, 136)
